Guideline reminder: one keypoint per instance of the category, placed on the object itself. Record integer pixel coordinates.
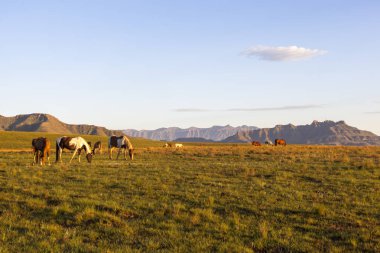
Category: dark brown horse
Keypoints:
(41, 150)
(279, 142)
(97, 146)
(256, 143)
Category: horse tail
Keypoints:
(57, 149)
(46, 150)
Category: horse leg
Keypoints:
(125, 154)
(110, 152)
(58, 153)
(75, 152)
(48, 156)
(79, 153)
(41, 157)
(38, 157)
(118, 153)
(34, 156)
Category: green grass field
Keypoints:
(227, 198)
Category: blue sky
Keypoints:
(151, 64)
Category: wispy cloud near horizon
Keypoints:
(255, 109)
(288, 53)
(191, 110)
(281, 108)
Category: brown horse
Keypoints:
(97, 146)
(41, 150)
(279, 142)
(120, 142)
(256, 143)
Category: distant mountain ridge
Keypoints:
(41, 122)
(199, 140)
(322, 133)
(214, 133)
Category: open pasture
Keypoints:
(218, 198)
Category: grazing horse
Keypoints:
(279, 142)
(167, 145)
(178, 145)
(41, 150)
(97, 146)
(120, 142)
(72, 143)
(256, 143)
(268, 143)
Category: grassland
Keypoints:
(228, 198)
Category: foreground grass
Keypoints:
(227, 198)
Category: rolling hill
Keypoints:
(40, 122)
(322, 133)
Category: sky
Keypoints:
(149, 64)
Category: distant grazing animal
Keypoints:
(41, 150)
(120, 142)
(279, 142)
(268, 143)
(178, 145)
(256, 143)
(167, 145)
(97, 146)
(77, 144)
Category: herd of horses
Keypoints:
(277, 142)
(41, 148)
(170, 145)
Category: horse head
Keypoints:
(131, 151)
(89, 157)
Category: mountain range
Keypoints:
(321, 133)
(214, 133)
(41, 122)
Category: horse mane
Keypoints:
(87, 146)
(127, 142)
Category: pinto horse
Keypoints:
(268, 142)
(279, 142)
(77, 144)
(41, 150)
(120, 142)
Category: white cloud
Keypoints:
(289, 53)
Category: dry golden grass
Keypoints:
(227, 198)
